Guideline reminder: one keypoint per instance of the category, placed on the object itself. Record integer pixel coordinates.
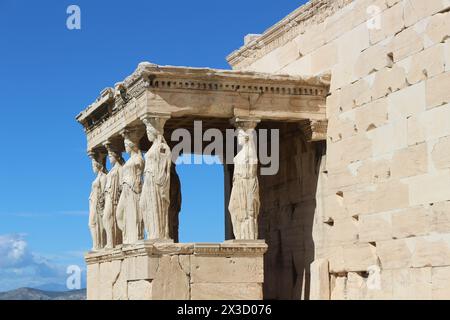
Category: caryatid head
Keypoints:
(114, 155)
(243, 137)
(98, 161)
(245, 130)
(154, 126)
(246, 136)
(131, 140)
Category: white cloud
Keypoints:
(13, 250)
(20, 267)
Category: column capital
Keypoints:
(108, 144)
(92, 154)
(113, 150)
(111, 147)
(155, 121)
(132, 133)
(245, 123)
(96, 154)
(155, 115)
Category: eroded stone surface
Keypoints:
(171, 281)
(219, 271)
(226, 291)
(320, 280)
(140, 290)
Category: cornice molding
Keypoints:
(152, 78)
(151, 248)
(312, 13)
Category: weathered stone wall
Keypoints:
(384, 190)
(176, 271)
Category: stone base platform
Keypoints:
(158, 270)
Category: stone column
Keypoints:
(155, 198)
(96, 199)
(112, 193)
(244, 200)
(129, 216)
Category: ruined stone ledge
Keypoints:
(230, 248)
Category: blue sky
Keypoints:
(49, 73)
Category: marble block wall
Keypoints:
(383, 195)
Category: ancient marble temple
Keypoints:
(360, 205)
(134, 204)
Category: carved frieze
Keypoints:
(202, 92)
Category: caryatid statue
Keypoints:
(129, 217)
(96, 200)
(244, 200)
(155, 198)
(112, 191)
(175, 203)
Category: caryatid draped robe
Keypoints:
(244, 200)
(96, 206)
(155, 198)
(112, 193)
(129, 217)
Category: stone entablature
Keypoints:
(297, 22)
(165, 270)
(200, 92)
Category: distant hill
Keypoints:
(52, 287)
(36, 294)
